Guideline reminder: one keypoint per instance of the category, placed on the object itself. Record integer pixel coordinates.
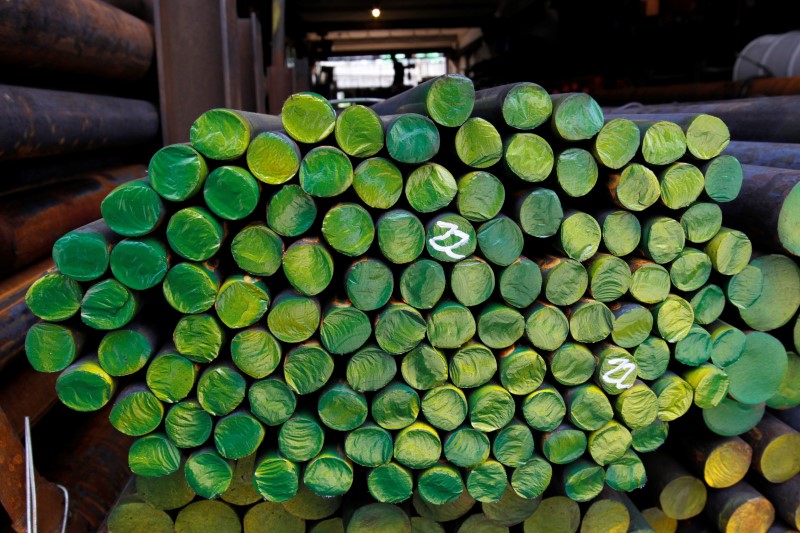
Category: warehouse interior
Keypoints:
(90, 90)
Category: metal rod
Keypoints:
(41, 122)
(31, 223)
(81, 36)
(692, 92)
(777, 155)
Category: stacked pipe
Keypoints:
(451, 297)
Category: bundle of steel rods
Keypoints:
(452, 296)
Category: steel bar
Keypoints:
(31, 223)
(41, 172)
(92, 491)
(43, 122)
(790, 417)
(776, 449)
(142, 9)
(694, 92)
(785, 497)
(774, 154)
(278, 74)
(780, 293)
(722, 461)
(680, 495)
(25, 393)
(80, 36)
(448, 100)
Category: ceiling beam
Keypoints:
(447, 52)
(363, 45)
(323, 27)
(435, 17)
(364, 15)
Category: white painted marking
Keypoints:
(452, 231)
(623, 363)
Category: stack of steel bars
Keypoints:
(453, 297)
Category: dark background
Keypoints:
(561, 43)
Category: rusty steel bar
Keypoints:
(776, 155)
(80, 36)
(12, 485)
(93, 441)
(31, 222)
(693, 92)
(15, 317)
(756, 512)
(768, 119)
(39, 122)
(36, 173)
(26, 392)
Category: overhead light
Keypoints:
(376, 12)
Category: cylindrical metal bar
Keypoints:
(38, 173)
(31, 223)
(41, 122)
(81, 36)
(278, 33)
(722, 461)
(448, 100)
(680, 495)
(94, 490)
(776, 454)
(790, 417)
(739, 508)
(766, 154)
(693, 92)
(26, 392)
(785, 497)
